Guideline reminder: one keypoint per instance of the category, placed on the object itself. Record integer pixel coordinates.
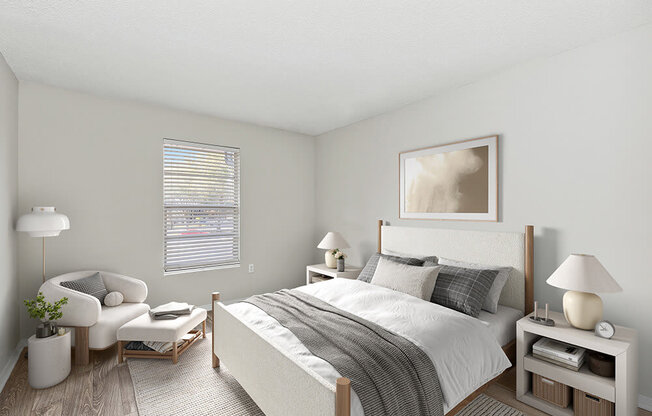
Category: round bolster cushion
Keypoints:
(113, 299)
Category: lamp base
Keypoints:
(582, 310)
(329, 259)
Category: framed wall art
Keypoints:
(455, 181)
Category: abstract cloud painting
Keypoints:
(457, 181)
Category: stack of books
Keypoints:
(556, 352)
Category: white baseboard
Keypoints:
(11, 363)
(645, 402)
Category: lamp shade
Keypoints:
(583, 273)
(43, 222)
(333, 240)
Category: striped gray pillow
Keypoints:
(463, 290)
(370, 268)
(92, 285)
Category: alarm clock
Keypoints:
(605, 329)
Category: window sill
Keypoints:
(204, 269)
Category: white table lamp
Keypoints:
(43, 222)
(331, 241)
(583, 275)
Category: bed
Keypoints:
(283, 378)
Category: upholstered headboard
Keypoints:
(486, 247)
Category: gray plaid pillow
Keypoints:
(370, 268)
(463, 290)
(92, 285)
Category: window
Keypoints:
(201, 200)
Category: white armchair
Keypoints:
(96, 325)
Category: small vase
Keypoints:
(45, 329)
(340, 265)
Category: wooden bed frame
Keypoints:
(280, 385)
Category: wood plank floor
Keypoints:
(105, 388)
(100, 388)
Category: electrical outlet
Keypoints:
(251, 268)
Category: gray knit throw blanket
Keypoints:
(390, 374)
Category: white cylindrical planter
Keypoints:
(48, 360)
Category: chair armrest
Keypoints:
(81, 309)
(133, 290)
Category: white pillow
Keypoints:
(113, 299)
(491, 301)
(417, 281)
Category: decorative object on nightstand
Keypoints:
(582, 275)
(339, 256)
(320, 272)
(605, 329)
(43, 222)
(332, 242)
(602, 364)
(48, 313)
(539, 320)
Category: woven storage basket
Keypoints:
(551, 391)
(586, 404)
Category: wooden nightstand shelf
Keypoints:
(621, 389)
(315, 271)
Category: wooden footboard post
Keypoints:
(343, 397)
(216, 361)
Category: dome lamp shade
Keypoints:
(43, 222)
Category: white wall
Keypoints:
(100, 162)
(575, 144)
(8, 214)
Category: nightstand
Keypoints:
(316, 273)
(622, 389)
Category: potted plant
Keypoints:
(46, 312)
(339, 256)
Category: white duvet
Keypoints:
(463, 350)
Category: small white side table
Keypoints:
(48, 360)
(323, 270)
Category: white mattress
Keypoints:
(502, 324)
(463, 349)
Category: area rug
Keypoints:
(193, 387)
(485, 406)
(190, 387)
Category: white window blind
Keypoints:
(201, 198)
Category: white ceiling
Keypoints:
(308, 66)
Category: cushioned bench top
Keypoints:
(144, 328)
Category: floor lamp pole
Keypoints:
(43, 259)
